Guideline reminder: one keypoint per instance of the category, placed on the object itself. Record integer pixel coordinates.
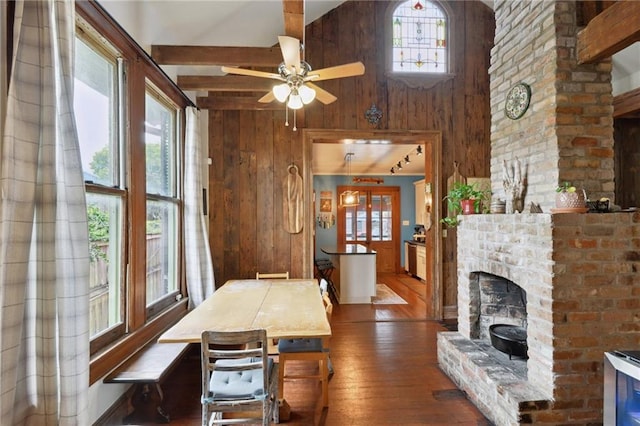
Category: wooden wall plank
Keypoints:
(216, 214)
(247, 179)
(354, 31)
(266, 224)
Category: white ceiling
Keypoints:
(257, 23)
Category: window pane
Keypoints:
(419, 38)
(162, 246)
(104, 214)
(95, 110)
(160, 135)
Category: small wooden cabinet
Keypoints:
(420, 208)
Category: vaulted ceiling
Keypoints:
(192, 39)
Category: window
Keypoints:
(162, 202)
(419, 38)
(96, 103)
(129, 119)
(418, 43)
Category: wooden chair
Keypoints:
(276, 275)
(315, 349)
(238, 377)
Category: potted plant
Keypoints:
(568, 197)
(463, 199)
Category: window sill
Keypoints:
(105, 361)
(419, 81)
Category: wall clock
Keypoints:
(517, 101)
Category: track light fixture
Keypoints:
(407, 159)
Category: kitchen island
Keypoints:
(354, 277)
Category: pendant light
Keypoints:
(349, 198)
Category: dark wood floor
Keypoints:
(386, 371)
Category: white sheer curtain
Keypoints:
(200, 279)
(44, 249)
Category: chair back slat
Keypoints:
(274, 275)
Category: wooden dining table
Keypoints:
(284, 308)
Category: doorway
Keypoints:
(432, 141)
(374, 222)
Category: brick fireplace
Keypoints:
(579, 272)
(580, 275)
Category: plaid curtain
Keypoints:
(44, 248)
(200, 279)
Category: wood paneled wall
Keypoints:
(251, 150)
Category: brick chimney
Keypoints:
(579, 271)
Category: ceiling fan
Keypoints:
(297, 87)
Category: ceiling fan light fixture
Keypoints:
(281, 91)
(295, 101)
(307, 94)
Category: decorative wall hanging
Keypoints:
(326, 218)
(377, 181)
(373, 115)
(514, 186)
(293, 201)
(517, 101)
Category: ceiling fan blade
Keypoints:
(290, 52)
(339, 71)
(268, 98)
(253, 73)
(321, 94)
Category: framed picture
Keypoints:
(326, 198)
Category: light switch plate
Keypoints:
(405, 223)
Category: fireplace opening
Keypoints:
(502, 314)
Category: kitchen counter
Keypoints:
(354, 277)
(348, 249)
(417, 243)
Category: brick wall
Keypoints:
(579, 271)
(567, 132)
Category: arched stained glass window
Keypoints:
(420, 38)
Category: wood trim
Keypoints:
(216, 55)
(106, 361)
(432, 141)
(245, 103)
(627, 104)
(615, 28)
(226, 83)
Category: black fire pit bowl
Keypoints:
(510, 339)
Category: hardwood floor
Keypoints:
(386, 371)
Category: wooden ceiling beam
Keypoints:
(294, 18)
(216, 55)
(245, 103)
(617, 27)
(627, 105)
(226, 83)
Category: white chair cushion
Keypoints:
(229, 385)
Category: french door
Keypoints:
(374, 222)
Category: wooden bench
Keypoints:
(147, 369)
